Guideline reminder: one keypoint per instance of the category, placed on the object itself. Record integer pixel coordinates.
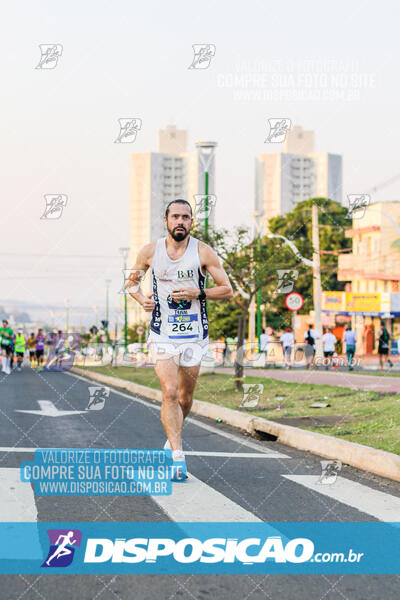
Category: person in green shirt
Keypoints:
(20, 346)
(6, 334)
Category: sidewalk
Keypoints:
(335, 378)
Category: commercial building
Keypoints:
(156, 179)
(283, 179)
(373, 270)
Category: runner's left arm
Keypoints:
(223, 288)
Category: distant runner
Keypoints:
(6, 334)
(40, 342)
(31, 343)
(20, 347)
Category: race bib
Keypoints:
(183, 326)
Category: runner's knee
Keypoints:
(169, 393)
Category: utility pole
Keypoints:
(206, 152)
(317, 291)
(108, 281)
(66, 315)
(259, 225)
(124, 252)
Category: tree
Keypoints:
(249, 267)
(297, 226)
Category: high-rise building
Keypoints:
(298, 141)
(172, 140)
(157, 178)
(285, 178)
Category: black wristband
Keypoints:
(202, 295)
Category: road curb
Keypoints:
(379, 462)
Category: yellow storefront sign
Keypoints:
(335, 301)
(363, 302)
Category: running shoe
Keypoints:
(178, 468)
(167, 445)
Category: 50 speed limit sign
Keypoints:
(294, 301)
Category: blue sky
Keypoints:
(328, 67)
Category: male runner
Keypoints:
(40, 342)
(6, 334)
(31, 343)
(20, 344)
(178, 339)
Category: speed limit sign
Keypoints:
(294, 301)
(140, 330)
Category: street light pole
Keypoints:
(124, 252)
(317, 280)
(206, 152)
(108, 281)
(258, 219)
(66, 315)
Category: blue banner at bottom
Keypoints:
(223, 548)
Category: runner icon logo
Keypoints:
(128, 129)
(203, 54)
(97, 397)
(278, 129)
(251, 394)
(55, 203)
(286, 280)
(357, 205)
(63, 543)
(330, 470)
(50, 53)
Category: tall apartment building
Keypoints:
(285, 178)
(156, 179)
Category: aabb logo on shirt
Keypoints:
(189, 274)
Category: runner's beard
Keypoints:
(178, 236)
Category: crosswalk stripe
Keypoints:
(187, 452)
(380, 505)
(195, 501)
(229, 454)
(17, 499)
(17, 505)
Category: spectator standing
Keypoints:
(329, 341)
(287, 341)
(383, 345)
(310, 336)
(350, 339)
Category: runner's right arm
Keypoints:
(137, 273)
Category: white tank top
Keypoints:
(177, 321)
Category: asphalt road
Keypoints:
(273, 483)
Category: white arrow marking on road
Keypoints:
(47, 409)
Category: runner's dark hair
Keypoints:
(180, 201)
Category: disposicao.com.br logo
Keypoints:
(192, 550)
